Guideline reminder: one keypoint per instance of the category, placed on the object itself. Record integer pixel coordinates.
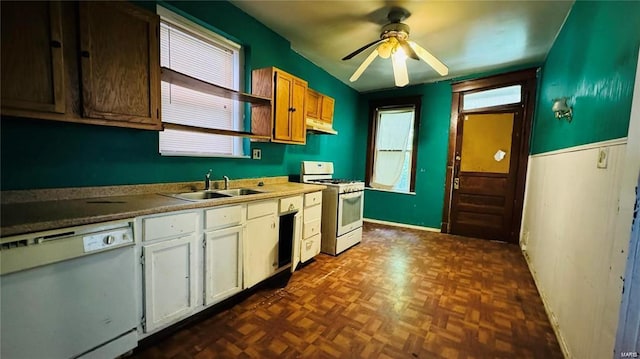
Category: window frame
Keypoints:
(390, 104)
(199, 31)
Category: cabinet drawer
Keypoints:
(311, 199)
(169, 226)
(291, 203)
(311, 213)
(260, 209)
(311, 228)
(310, 248)
(223, 217)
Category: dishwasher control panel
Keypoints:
(107, 239)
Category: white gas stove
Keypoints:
(342, 206)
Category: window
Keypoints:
(393, 143)
(198, 52)
(494, 97)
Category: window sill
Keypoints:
(199, 154)
(390, 191)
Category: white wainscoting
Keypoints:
(568, 232)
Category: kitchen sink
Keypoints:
(200, 195)
(238, 191)
(204, 195)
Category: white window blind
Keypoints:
(193, 50)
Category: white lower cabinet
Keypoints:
(261, 250)
(241, 248)
(310, 246)
(223, 263)
(170, 280)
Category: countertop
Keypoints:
(39, 210)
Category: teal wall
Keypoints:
(425, 207)
(592, 62)
(48, 154)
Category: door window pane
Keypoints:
(495, 97)
(486, 143)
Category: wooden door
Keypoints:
(32, 57)
(282, 104)
(120, 63)
(223, 264)
(298, 120)
(485, 174)
(170, 281)
(488, 155)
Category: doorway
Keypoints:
(488, 153)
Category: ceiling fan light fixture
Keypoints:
(400, 74)
(394, 42)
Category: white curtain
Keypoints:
(392, 138)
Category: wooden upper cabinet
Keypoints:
(319, 108)
(32, 57)
(120, 62)
(326, 115)
(286, 116)
(87, 62)
(314, 104)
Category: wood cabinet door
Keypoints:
(32, 57)
(223, 264)
(298, 120)
(261, 251)
(327, 109)
(282, 107)
(313, 104)
(120, 63)
(170, 281)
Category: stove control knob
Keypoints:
(109, 239)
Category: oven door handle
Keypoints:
(351, 195)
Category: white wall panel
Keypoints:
(569, 225)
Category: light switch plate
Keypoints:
(256, 154)
(603, 157)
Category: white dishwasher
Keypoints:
(69, 293)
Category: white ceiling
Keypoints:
(468, 36)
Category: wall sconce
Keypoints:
(561, 109)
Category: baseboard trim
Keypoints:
(396, 224)
(547, 309)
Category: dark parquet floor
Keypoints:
(399, 294)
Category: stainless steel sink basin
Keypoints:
(238, 191)
(204, 195)
(200, 195)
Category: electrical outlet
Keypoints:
(603, 157)
(256, 154)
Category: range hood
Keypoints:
(320, 127)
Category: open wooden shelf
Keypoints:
(180, 79)
(174, 126)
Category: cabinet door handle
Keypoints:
(56, 44)
(293, 109)
(273, 225)
(84, 54)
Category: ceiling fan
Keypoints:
(394, 42)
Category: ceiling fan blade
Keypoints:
(408, 50)
(362, 49)
(364, 65)
(441, 68)
(400, 71)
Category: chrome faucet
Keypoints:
(207, 181)
(226, 182)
